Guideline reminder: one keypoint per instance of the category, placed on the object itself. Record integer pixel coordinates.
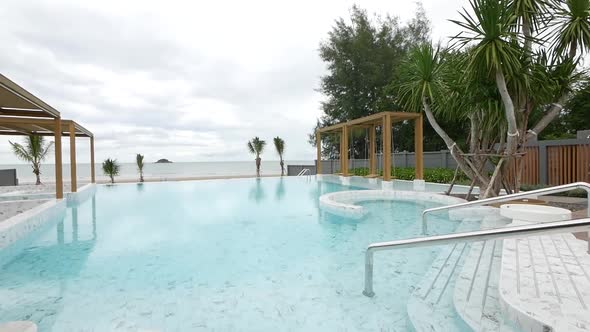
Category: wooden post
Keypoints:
(344, 156)
(59, 184)
(386, 147)
(92, 176)
(318, 143)
(73, 177)
(419, 147)
(372, 150)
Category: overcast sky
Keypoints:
(183, 80)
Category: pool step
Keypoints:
(476, 291)
(431, 307)
(428, 308)
(545, 283)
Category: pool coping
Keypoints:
(20, 225)
(344, 203)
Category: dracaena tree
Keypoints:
(513, 61)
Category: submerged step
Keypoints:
(431, 306)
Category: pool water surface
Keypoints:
(244, 254)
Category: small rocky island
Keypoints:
(163, 161)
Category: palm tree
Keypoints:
(256, 146)
(111, 168)
(280, 146)
(33, 151)
(139, 160)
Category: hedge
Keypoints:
(436, 175)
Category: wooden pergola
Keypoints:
(23, 114)
(385, 120)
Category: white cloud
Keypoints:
(185, 80)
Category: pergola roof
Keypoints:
(16, 101)
(21, 113)
(374, 119)
(42, 127)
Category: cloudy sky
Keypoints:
(184, 80)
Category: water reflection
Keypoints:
(280, 191)
(140, 187)
(257, 192)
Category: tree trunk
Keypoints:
(453, 148)
(258, 166)
(282, 167)
(549, 117)
(512, 137)
(491, 188)
(112, 178)
(140, 176)
(37, 173)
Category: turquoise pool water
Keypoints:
(244, 255)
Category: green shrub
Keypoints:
(436, 175)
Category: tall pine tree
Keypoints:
(363, 55)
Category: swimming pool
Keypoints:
(244, 254)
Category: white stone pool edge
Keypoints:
(344, 204)
(20, 225)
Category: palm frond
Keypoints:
(279, 145)
(571, 27)
(489, 27)
(256, 145)
(139, 161)
(110, 167)
(251, 148)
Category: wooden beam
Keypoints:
(26, 113)
(344, 156)
(318, 142)
(419, 147)
(92, 176)
(59, 184)
(386, 147)
(73, 177)
(372, 151)
(27, 121)
(9, 87)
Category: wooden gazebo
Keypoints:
(23, 114)
(385, 120)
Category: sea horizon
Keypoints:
(153, 170)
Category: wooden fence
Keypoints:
(553, 162)
(568, 163)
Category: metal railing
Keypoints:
(579, 225)
(304, 171)
(506, 198)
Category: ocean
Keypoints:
(156, 171)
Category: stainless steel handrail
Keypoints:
(303, 172)
(579, 225)
(524, 194)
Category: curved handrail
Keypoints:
(303, 172)
(543, 191)
(579, 225)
